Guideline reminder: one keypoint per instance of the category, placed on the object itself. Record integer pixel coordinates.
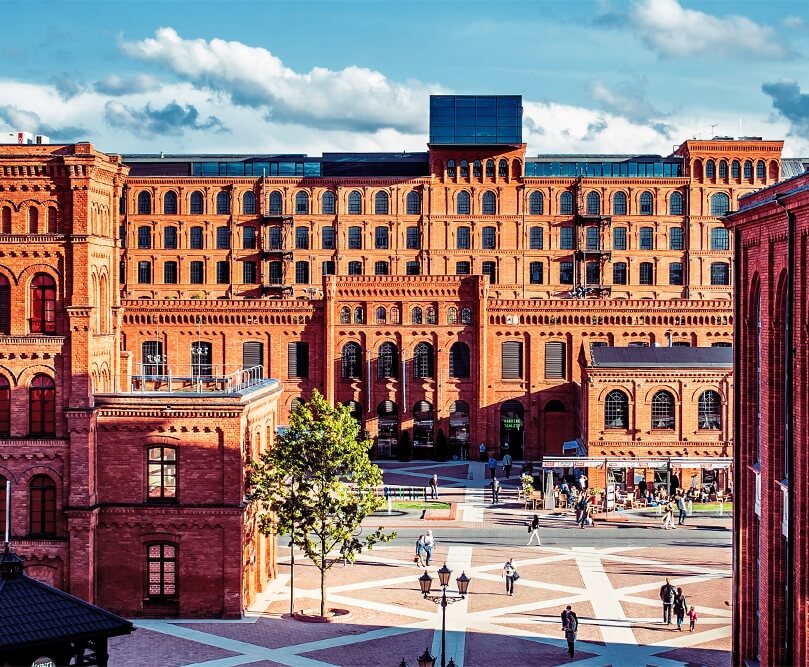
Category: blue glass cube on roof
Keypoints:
(475, 119)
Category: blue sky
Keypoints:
(596, 76)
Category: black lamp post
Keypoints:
(426, 582)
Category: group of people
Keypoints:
(491, 461)
(424, 549)
(674, 601)
(678, 503)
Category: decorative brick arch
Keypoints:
(28, 374)
(647, 397)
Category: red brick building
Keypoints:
(457, 290)
(771, 229)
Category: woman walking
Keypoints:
(434, 487)
(420, 551)
(668, 517)
(510, 573)
(429, 545)
(533, 528)
(571, 628)
(680, 607)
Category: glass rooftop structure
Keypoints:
(475, 119)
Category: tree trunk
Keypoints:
(323, 586)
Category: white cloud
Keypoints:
(118, 85)
(674, 31)
(794, 22)
(354, 98)
(627, 99)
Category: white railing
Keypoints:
(152, 377)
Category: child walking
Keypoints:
(692, 619)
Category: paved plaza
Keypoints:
(609, 574)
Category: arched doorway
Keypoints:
(356, 412)
(387, 429)
(557, 428)
(512, 429)
(423, 427)
(459, 429)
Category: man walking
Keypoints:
(434, 487)
(683, 510)
(482, 450)
(533, 528)
(571, 628)
(510, 573)
(495, 484)
(584, 508)
(492, 467)
(667, 592)
(507, 461)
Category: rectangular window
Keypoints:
(152, 358)
(276, 238)
(536, 270)
(413, 241)
(490, 269)
(381, 268)
(413, 268)
(489, 238)
(676, 238)
(619, 238)
(592, 272)
(720, 274)
(196, 238)
(302, 238)
(223, 273)
(566, 238)
(566, 273)
(646, 238)
(355, 238)
(170, 238)
(249, 276)
(302, 273)
(170, 273)
(253, 357)
(555, 361)
(511, 360)
(327, 236)
(222, 238)
(162, 474)
(144, 273)
(536, 240)
(249, 238)
(619, 273)
(646, 273)
(675, 273)
(381, 238)
(462, 268)
(144, 237)
(122, 235)
(355, 268)
(276, 273)
(463, 238)
(162, 565)
(197, 273)
(328, 268)
(593, 238)
(298, 360)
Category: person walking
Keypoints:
(668, 517)
(564, 614)
(511, 575)
(495, 484)
(682, 509)
(533, 529)
(483, 455)
(570, 632)
(507, 461)
(434, 487)
(582, 481)
(679, 608)
(667, 598)
(692, 619)
(492, 467)
(420, 551)
(429, 545)
(584, 510)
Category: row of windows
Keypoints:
(616, 411)
(711, 168)
(196, 272)
(33, 221)
(418, 315)
(462, 168)
(41, 407)
(719, 273)
(42, 313)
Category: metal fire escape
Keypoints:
(276, 254)
(590, 255)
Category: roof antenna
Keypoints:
(713, 131)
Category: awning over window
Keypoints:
(649, 462)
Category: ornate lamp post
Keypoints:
(426, 582)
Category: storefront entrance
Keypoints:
(387, 429)
(512, 429)
(459, 430)
(423, 429)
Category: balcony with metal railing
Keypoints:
(160, 378)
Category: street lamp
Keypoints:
(425, 583)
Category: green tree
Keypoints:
(316, 484)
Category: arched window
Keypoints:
(381, 203)
(351, 361)
(429, 315)
(593, 203)
(536, 204)
(161, 472)
(663, 411)
(381, 315)
(359, 315)
(452, 315)
(413, 206)
(249, 203)
(5, 411)
(144, 202)
(276, 203)
(502, 169)
(566, 204)
(423, 361)
(646, 203)
(723, 169)
(466, 316)
(489, 203)
(5, 306)
(345, 315)
(489, 168)
(222, 203)
(52, 221)
(710, 169)
(459, 360)
(720, 239)
(619, 203)
(394, 315)
(735, 170)
(301, 203)
(720, 203)
(676, 204)
(555, 406)
(42, 506)
(355, 409)
(464, 169)
(748, 169)
(354, 203)
(327, 203)
(416, 316)
(710, 411)
(355, 268)
(463, 203)
(476, 169)
(42, 407)
(197, 205)
(43, 304)
(451, 168)
(761, 170)
(387, 363)
(170, 203)
(5, 223)
(616, 410)
(33, 220)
